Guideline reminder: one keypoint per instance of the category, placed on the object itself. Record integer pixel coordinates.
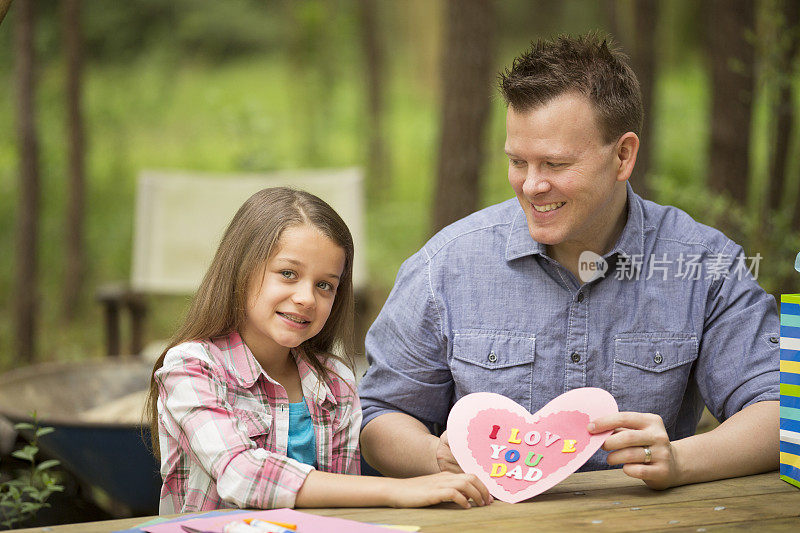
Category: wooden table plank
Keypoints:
(752, 509)
(609, 496)
(105, 526)
(776, 525)
(627, 493)
(612, 508)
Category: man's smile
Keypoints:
(547, 207)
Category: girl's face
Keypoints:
(290, 300)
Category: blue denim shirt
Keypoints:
(481, 307)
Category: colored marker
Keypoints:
(267, 526)
(239, 526)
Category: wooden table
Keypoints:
(600, 501)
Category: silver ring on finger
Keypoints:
(648, 456)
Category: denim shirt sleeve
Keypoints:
(739, 358)
(406, 351)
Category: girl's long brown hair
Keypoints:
(218, 307)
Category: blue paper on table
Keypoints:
(209, 514)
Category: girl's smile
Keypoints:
(296, 320)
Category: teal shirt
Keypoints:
(302, 441)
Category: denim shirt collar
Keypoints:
(630, 242)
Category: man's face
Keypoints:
(564, 174)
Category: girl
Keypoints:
(248, 405)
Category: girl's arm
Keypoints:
(322, 489)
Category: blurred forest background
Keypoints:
(94, 91)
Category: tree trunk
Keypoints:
(313, 68)
(644, 64)
(610, 14)
(75, 252)
(732, 59)
(28, 208)
(466, 74)
(4, 5)
(378, 178)
(783, 107)
(784, 111)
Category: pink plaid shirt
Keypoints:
(223, 428)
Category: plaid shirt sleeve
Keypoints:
(200, 422)
(345, 455)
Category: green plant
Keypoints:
(23, 496)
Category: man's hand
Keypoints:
(634, 435)
(444, 456)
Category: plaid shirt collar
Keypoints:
(245, 369)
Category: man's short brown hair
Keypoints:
(589, 65)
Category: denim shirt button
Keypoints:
(658, 358)
(580, 297)
(492, 357)
(576, 357)
(774, 339)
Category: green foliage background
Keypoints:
(247, 85)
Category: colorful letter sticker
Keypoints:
(528, 453)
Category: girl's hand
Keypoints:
(634, 435)
(437, 488)
(444, 456)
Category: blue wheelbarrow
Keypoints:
(108, 450)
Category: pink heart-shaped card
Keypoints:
(518, 455)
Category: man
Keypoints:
(494, 302)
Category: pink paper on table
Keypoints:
(305, 522)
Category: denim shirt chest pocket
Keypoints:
(651, 372)
(500, 362)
